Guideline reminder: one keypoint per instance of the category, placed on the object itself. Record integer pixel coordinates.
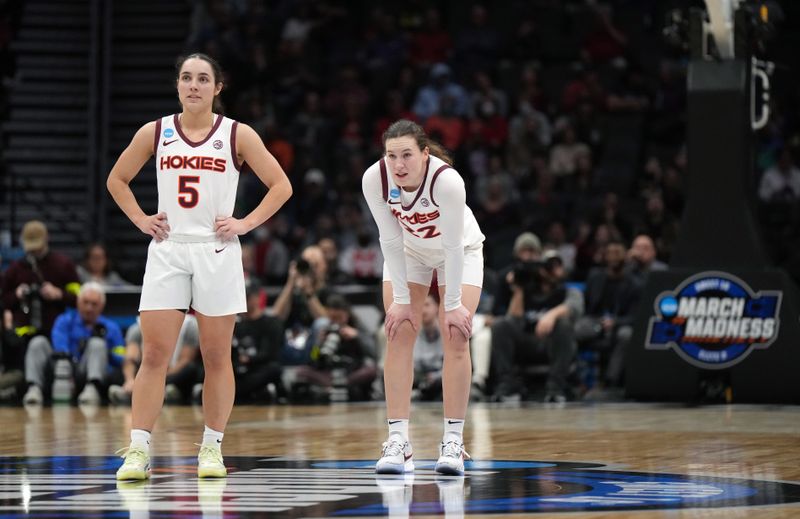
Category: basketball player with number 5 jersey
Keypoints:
(194, 259)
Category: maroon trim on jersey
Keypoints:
(157, 136)
(192, 143)
(233, 147)
(421, 187)
(384, 181)
(433, 181)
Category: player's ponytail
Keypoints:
(215, 68)
(404, 127)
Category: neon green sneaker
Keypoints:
(136, 465)
(209, 462)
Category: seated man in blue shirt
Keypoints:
(92, 342)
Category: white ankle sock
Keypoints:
(398, 426)
(212, 437)
(141, 439)
(453, 430)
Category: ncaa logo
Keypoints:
(394, 193)
(217, 144)
(713, 320)
(169, 132)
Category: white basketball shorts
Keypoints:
(421, 263)
(207, 276)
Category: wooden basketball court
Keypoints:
(324, 454)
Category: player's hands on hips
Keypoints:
(395, 316)
(460, 319)
(227, 227)
(155, 225)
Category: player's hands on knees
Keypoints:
(458, 321)
(155, 225)
(395, 316)
(227, 227)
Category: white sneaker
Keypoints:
(209, 462)
(33, 396)
(136, 465)
(89, 395)
(117, 395)
(396, 456)
(451, 458)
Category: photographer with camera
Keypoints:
(91, 342)
(39, 286)
(342, 361)
(301, 304)
(257, 342)
(537, 324)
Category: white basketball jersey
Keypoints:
(197, 181)
(418, 211)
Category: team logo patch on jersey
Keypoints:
(714, 320)
(424, 202)
(217, 144)
(394, 193)
(77, 486)
(168, 132)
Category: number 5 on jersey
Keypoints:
(187, 194)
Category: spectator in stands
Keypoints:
(97, 267)
(659, 224)
(642, 259)
(565, 154)
(184, 371)
(479, 43)
(330, 251)
(270, 255)
(446, 125)
(257, 342)
(363, 261)
(611, 298)
(92, 342)
(533, 322)
(781, 182)
(484, 94)
(428, 353)
(605, 42)
(556, 239)
(39, 286)
(343, 356)
(432, 44)
(529, 133)
(429, 97)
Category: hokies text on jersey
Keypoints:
(197, 163)
(425, 232)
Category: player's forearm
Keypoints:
(123, 196)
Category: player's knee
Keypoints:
(216, 359)
(155, 356)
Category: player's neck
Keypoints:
(196, 122)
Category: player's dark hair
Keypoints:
(215, 69)
(404, 127)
